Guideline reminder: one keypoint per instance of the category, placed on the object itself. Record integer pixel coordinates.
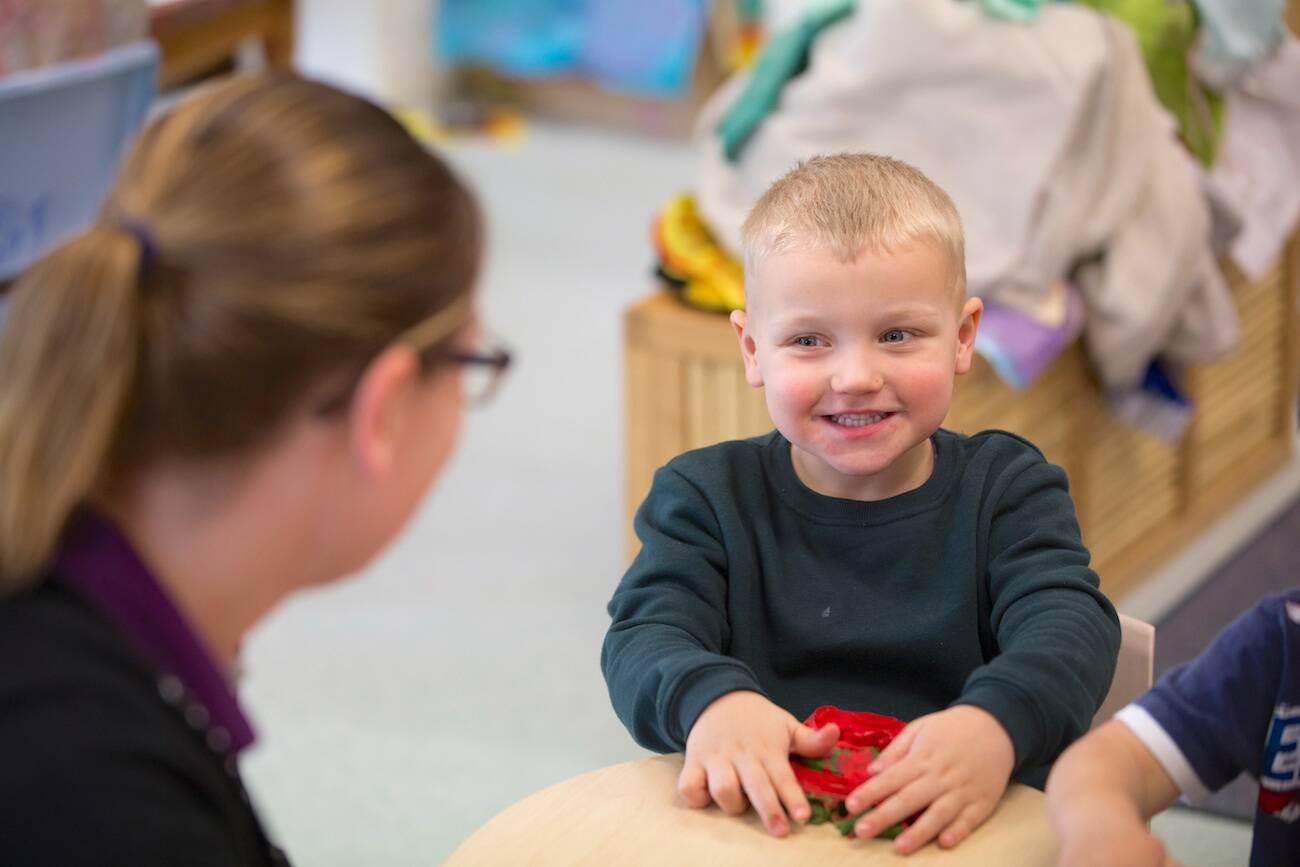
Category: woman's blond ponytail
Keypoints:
(69, 351)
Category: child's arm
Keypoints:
(669, 677)
(664, 656)
(1057, 638)
(1225, 712)
(1100, 795)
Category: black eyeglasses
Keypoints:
(483, 370)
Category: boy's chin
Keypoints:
(852, 468)
(861, 471)
(865, 466)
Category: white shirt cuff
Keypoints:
(1166, 751)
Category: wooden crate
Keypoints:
(1139, 498)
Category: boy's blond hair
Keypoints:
(847, 204)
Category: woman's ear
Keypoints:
(967, 328)
(748, 349)
(379, 412)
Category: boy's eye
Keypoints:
(806, 340)
(894, 335)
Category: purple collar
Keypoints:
(96, 560)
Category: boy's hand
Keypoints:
(738, 753)
(953, 765)
(1095, 835)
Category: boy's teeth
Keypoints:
(858, 420)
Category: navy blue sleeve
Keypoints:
(1216, 708)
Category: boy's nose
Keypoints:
(857, 375)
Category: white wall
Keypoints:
(382, 49)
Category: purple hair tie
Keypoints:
(139, 230)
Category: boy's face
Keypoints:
(858, 361)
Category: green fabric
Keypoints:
(749, 580)
(1167, 32)
(784, 57)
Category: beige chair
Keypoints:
(1133, 669)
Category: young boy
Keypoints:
(1234, 708)
(859, 555)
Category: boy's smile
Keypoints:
(858, 361)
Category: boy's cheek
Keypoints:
(929, 384)
(787, 393)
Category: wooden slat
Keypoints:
(699, 415)
(1123, 570)
(1291, 313)
(1257, 402)
(757, 420)
(1220, 454)
(728, 385)
(670, 327)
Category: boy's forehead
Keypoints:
(788, 281)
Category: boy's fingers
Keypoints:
(754, 778)
(724, 788)
(882, 786)
(960, 828)
(814, 743)
(693, 785)
(938, 816)
(897, 748)
(787, 788)
(896, 808)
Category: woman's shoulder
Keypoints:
(68, 679)
(89, 748)
(52, 638)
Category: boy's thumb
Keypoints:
(814, 743)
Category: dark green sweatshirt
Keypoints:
(747, 579)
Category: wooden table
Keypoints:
(630, 814)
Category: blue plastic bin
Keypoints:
(62, 131)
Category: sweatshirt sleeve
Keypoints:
(664, 657)
(1057, 636)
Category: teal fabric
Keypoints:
(783, 58)
(1241, 33)
(749, 580)
(1014, 10)
(749, 10)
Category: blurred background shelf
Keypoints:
(197, 36)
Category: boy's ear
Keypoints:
(379, 411)
(748, 349)
(967, 328)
